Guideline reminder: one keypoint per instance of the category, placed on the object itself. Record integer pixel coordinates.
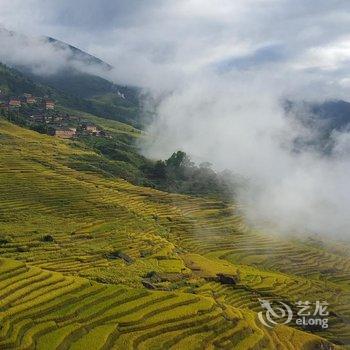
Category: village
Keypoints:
(41, 114)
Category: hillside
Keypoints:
(322, 120)
(15, 83)
(116, 141)
(92, 259)
(93, 94)
(73, 84)
(77, 54)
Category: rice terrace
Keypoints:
(120, 228)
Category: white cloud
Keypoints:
(328, 57)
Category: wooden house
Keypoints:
(91, 128)
(30, 99)
(14, 103)
(49, 104)
(65, 133)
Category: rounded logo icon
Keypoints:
(276, 314)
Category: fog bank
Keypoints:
(237, 121)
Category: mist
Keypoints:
(42, 57)
(237, 121)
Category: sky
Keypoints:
(173, 38)
(218, 70)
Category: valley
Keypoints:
(89, 258)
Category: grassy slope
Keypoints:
(107, 124)
(57, 299)
(124, 159)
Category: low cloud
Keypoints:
(35, 53)
(242, 126)
(44, 56)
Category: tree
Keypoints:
(179, 159)
(159, 170)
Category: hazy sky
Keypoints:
(184, 36)
(219, 69)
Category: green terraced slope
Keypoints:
(47, 310)
(85, 285)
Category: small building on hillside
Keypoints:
(91, 128)
(15, 102)
(87, 128)
(65, 133)
(49, 104)
(30, 99)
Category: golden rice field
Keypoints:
(128, 267)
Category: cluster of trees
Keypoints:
(14, 83)
(13, 116)
(20, 118)
(179, 174)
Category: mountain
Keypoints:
(93, 94)
(328, 115)
(71, 52)
(334, 114)
(67, 70)
(78, 55)
(322, 120)
(12, 82)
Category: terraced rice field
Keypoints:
(47, 310)
(129, 267)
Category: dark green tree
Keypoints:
(179, 159)
(159, 170)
